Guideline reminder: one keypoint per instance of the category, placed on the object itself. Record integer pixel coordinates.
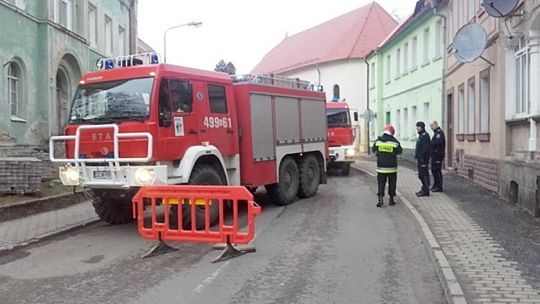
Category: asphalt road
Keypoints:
(335, 248)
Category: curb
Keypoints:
(23, 209)
(452, 288)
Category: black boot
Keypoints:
(392, 201)
(381, 202)
(422, 193)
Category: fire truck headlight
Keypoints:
(350, 152)
(69, 176)
(145, 176)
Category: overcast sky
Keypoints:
(241, 31)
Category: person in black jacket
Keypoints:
(438, 148)
(387, 148)
(422, 154)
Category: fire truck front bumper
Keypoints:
(113, 176)
(342, 154)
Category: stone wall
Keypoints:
(18, 175)
(483, 171)
(520, 184)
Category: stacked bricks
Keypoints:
(20, 175)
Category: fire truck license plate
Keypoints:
(102, 174)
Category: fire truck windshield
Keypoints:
(338, 118)
(112, 101)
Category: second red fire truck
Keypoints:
(136, 122)
(340, 136)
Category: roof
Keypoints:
(143, 47)
(349, 36)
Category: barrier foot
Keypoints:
(230, 251)
(159, 249)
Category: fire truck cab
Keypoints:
(137, 122)
(340, 136)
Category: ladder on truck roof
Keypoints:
(278, 81)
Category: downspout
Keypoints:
(368, 121)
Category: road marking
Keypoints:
(209, 280)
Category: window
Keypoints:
(427, 115)
(164, 104)
(181, 96)
(523, 57)
(398, 123)
(406, 58)
(405, 120)
(471, 105)
(450, 29)
(388, 68)
(14, 90)
(398, 62)
(484, 101)
(461, 13)
(218, 99)
(372, 75)
(63, 13)
(461, 109)
(414, 52)
(413, 119)
(122, 41)
(388, 117)
(92, 25)
(337, 93)
(438, 39)
(108, 35)
(426, 45)
(471, 10)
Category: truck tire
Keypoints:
(285, 191)
(310, 177)
(346, 169)
(113, 210)
(203, 174)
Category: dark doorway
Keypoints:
(450, 129)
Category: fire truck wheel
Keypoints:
(310, 177)
(203, 174)
(286, 190)
(113, 211)
(346, 169)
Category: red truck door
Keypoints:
(219, 119)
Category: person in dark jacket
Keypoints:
(422, 154)
(387, 148)
(438, 148)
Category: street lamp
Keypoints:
(192, 23)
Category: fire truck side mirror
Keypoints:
(355, 116)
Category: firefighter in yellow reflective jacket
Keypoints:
(387, 148)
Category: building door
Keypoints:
(62, 98)
(450, 129)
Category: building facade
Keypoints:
(333, 54)
(45, 48)
(405, 77)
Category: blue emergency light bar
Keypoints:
(128, 61)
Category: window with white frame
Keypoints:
(426, 45)
(471, 9)
(427, 114)
(63, 13)
(406, 58)
(372, 75)
(398, 62)
(461, 109)
(413, 120)
(450, 29)
(398, 123)
(414, 52)
(461, 13)
(405, 120)
(122, 41)
(108, 35)
(484, 101)
(388, 68)
(523, 58)
(92, 25)
(438, 38)
(14, 90)
(471, 106)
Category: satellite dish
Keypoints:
(470, 43)
(499, 8)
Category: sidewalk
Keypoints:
(478, 261)
(29, 229)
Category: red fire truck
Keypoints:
(137, 122)
(340, 136)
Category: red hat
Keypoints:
(390, 129)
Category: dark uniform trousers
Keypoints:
(381, 181)
(436, 170)
(423, 174)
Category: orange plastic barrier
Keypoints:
(176, 199)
